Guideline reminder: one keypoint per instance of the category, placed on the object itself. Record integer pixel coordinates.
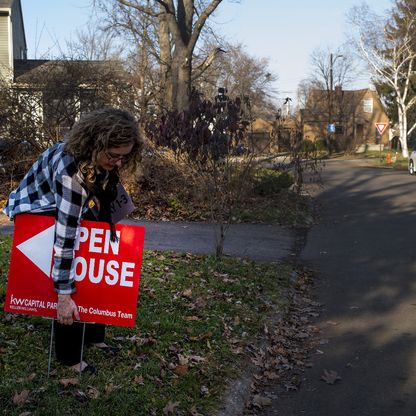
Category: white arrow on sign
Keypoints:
(381, 127)
(39, 248)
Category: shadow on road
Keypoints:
(363, 249)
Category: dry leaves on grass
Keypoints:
(181, 370)
(281, 358)
(139, 380)
(170, 408)
(66, 382)
(93, 393)
(30, 377)
(21, 398)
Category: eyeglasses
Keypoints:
(113, 157)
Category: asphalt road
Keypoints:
(364, 251)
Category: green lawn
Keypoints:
(197, 318)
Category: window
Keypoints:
(339, 129)
(368, 105)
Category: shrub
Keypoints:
(307, 146)
(320, 145)
(270, 182)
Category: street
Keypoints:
(363, 253)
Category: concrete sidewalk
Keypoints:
(253, 241)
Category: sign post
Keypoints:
(380, 128)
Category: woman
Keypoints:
(73, 180)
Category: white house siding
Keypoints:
(6, 64)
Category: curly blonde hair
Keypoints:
(100, 130)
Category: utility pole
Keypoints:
(331, 86)
(331, 93)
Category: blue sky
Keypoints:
(286, 32)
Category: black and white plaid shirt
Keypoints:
(54, 184)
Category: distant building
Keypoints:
(52, 94)
(354, 114)
(12, 37)
(260, 134)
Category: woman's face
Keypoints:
(113, 156)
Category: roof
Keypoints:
(317, 95)
(30, 70)
(21, 67)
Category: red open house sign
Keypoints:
(107, 273)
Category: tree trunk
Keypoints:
(166, 85)
(401, 108)
(183, 92)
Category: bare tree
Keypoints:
(171, 32)
(93, 44)
(391, 56)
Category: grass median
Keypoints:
(197, 321)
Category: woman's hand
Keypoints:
(66, 310)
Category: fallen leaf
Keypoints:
(181, 369)
(170, 408)
(261, 401)
(271, 375)
(21, 398)
(144, 341)
(93, 393)
(204, 391)
(69, 381)
(31, 377)
(25, 414)
(237, 350)
(191, 318)
(302, 335)
(205, 335)
(183, 359)
(109, 388)
(139, 380)
(187, 293)
(330, 376)
(194, 412)
(200, 303)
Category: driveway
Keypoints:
(253, 241)
(363, 250)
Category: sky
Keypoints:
(286, 32)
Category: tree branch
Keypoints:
(200, 69)
(147, 10)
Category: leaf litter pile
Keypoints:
(200, 321)
(280, 361)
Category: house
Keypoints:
(353, 115)
(12, 37)
(41, 99)
(260, 134)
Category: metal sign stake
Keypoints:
(82, 349)
(50, 348)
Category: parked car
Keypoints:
(412, 162)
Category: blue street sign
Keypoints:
(331, 128)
